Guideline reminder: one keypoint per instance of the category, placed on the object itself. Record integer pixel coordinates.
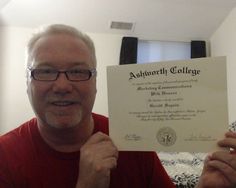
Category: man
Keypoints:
(66, 145)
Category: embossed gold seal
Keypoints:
(166, 136)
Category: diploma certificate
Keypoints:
(168, 106)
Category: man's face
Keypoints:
(61, 103)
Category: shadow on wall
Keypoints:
(1, 66)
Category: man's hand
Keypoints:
(97, 157)
(220, 167)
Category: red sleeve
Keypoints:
(159, 176)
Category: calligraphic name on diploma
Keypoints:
(168, 106)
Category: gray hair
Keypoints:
(60, 29)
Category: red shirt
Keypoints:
(26, 161)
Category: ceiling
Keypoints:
(153, 19)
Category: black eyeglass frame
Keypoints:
(92, 72)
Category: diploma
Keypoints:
(168, 106)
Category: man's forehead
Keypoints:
(61, 47)
(61, 40)
(46, 64)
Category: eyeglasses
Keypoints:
(52, 74)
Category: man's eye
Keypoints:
(77, 71)
(45, 71)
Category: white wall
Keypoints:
(223, 42)
(108, 52)
(15, 108)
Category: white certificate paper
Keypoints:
(168, 106)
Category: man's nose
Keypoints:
(62, 84)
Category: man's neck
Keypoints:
(69, 139)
